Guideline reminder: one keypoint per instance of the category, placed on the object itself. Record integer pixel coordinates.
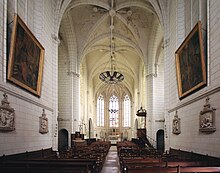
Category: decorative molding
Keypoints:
(55, 38)
(160, 120)
(56, 130)
(43, 123)
(63, 119)
(165, 131)
(7, 115)
(155, 72)
(151, 75)
(202, 96)
(207, 118)
(176, 124)
(72, 73)
(22, 97)
(166, 43)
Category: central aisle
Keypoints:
(111, 164)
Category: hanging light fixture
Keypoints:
(111, 76)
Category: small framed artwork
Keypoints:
(26, 57)
(190, 63)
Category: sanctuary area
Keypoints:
(103, 86)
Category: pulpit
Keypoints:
(141, 131)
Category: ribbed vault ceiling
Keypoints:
(85, 31)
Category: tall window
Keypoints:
(127, 111)
(100, 111)
(113, 111)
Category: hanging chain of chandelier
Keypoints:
(111, 76)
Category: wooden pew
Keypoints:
(130, 164)
(177, 169)
(97, 150)
(80, 159)
(44, 167)
(44, 160)
(43, 153)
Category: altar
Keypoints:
(114, 136)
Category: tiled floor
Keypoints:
(111, 164)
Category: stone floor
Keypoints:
(111, 164)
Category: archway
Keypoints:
(62, 140)
(92, 42)
(160, 140)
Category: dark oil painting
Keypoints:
(26, 58)
(190, 63)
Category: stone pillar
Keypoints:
(55, 42)
(75, 101)
(149, 105)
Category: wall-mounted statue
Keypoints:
(176, 124)
(43, 125)
(7, 115)
(207, 118)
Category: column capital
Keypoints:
(55, 38)
(72, 73)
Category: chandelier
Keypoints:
(111, 76)
(141, 112)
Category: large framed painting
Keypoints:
(26, 57)
(190, 63)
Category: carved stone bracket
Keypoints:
(7, 115)
(207, 118)
(176, 124)
(43, 123)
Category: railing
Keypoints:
(151, 141)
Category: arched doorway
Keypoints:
(160, 140)
(62, 140)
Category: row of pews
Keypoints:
(134, 159)
(78, 159)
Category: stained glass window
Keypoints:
(100, 111)
(113, 111)
(127, 111)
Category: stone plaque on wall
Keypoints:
(7, 115)
(207, 118)
(43, 123)
(176, 125)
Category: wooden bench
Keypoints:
(45, 167)
(145, 160)
(177, 169)
(47, 161)
(43, 153)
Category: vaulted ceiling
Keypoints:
(86, 33)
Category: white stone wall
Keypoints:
(28, 108)
(64, 93)
(189, 108)
(158, 101)
(155, 83)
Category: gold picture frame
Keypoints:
(26, 58)
(190, 63)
